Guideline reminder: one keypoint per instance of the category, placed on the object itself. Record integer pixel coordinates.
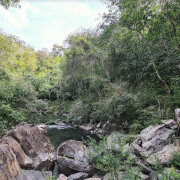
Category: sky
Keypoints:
(42, 23)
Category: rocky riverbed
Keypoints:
(26, 154)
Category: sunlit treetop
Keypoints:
(10, 3)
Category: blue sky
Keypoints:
(42, 23)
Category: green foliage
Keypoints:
(53, 178)
(131, 173)
(8, 3)
(79, 112)
(109, 160)
(170, 175)
(176, 160)
(21, 83)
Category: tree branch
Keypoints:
(158, 75)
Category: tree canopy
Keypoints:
(10, 3)
(126, 71)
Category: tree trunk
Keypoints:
(158, 75)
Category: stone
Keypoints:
(95, 176)
(144, 176)
(177, 116)
(23, 160)
(9, 167)
(42, 127)
(137, 150)
(106, 124)
(35, 145)
(127, 148)
(78, 176)
(144, 168)
(86, 127)
(93, 179)
(169, 123)
(151, 139)
(164, 156)
(174, 127)
(33, 175)
(98, 125)
(62, 177)
(72, 157)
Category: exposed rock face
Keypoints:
(35, 145)
(151, 139)
(163, 156)
(42, 127)
(62, 177)
(9, 167)
(177, 116)
(78, 176)
(93, 179)
(73, 157)
(170, 123)
(33, 175)
(23, 160)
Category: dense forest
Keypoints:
(126, 71)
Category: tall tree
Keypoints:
(156, 24)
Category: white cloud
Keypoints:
(8, 16)
(43, 23)
(57, 22)
(72, 8)
(77, 9)
(18, 17)
(52, 36)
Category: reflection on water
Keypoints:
(59, 136)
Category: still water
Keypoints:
(57, 136)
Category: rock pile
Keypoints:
(153, 145)
(25, 148)
(72, 158)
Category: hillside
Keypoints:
(126, 71)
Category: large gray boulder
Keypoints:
(23, 160)
(72, 157)
(151, 139)
(9, 167)
(164, 156)
(25, 147)
(78, 176)
(170, 124)
(38, 153)
(62, 177)
(177, 116)
(33, 175)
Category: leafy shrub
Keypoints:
(109, 160)
(170, 175)
(176, 160)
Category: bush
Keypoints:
(109, 160)
(176, 160)
(170, 175)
